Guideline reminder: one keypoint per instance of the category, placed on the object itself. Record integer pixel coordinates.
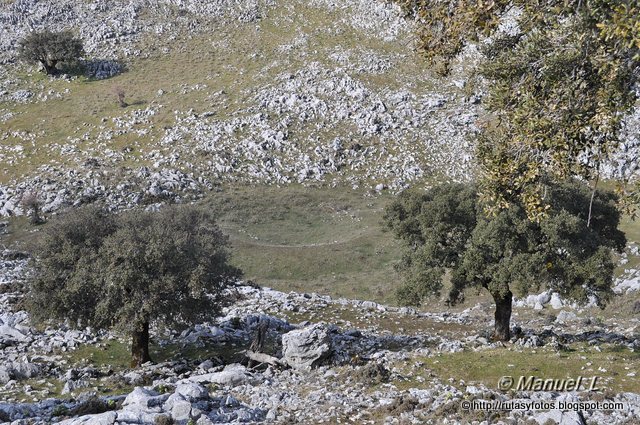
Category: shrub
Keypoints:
(163, 420)
(32, 203)
(120, 94)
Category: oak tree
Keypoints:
(447, 234)
(130, 270)
(50, 48)
(560, 81)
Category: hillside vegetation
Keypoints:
(295, 123)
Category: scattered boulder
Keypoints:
(566, 317)
(192, 391)
(102, 69)
(559, 417)
(555, 301)
(144, 398)
(232, 376)
(179, 406)
(25, 370)
(10, 335)
(306, 348)
(107, 418)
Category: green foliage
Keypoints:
(436, 226)
(557, 93)
(448, 25)
(447, 234)
(90, 406)
(120, 271)
(60, 410)
(558, 87)
(50, 48)
(162, 388)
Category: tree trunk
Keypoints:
(50, 67)
(502, 316)
(34, 217)
(140, 345)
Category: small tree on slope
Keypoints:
(126, 271)
(50, 48)
(447, 233)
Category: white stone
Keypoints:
(192, 391)
(556, 301)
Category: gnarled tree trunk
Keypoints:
(502, 316)
(140, 345)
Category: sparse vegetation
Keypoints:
(213, 93)
(163, 420)
(60, 410)
(91, 405)
(119, 92)
(488, 366)
(32, 203)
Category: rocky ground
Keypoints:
(337, 113)
(340, 361)
(254, 91)
(268, 92)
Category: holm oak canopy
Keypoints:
(127, 271)
(447, 233)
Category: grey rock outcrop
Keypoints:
(306, 348)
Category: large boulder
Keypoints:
(9, 335)
(565, 317)
(6, 374)
(179, 407)
(192, 391)
(306, 348)
(144, 399)
(25, 370)
(555, 301)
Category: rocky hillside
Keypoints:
(245, 93)
(261, 92)
(255, 91)
(335, 361)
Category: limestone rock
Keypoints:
(306, 348)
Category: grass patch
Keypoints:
(610, 365)
(231, 60)
(329, 241)
(348, 317)
(117, 355)
(114, 356)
